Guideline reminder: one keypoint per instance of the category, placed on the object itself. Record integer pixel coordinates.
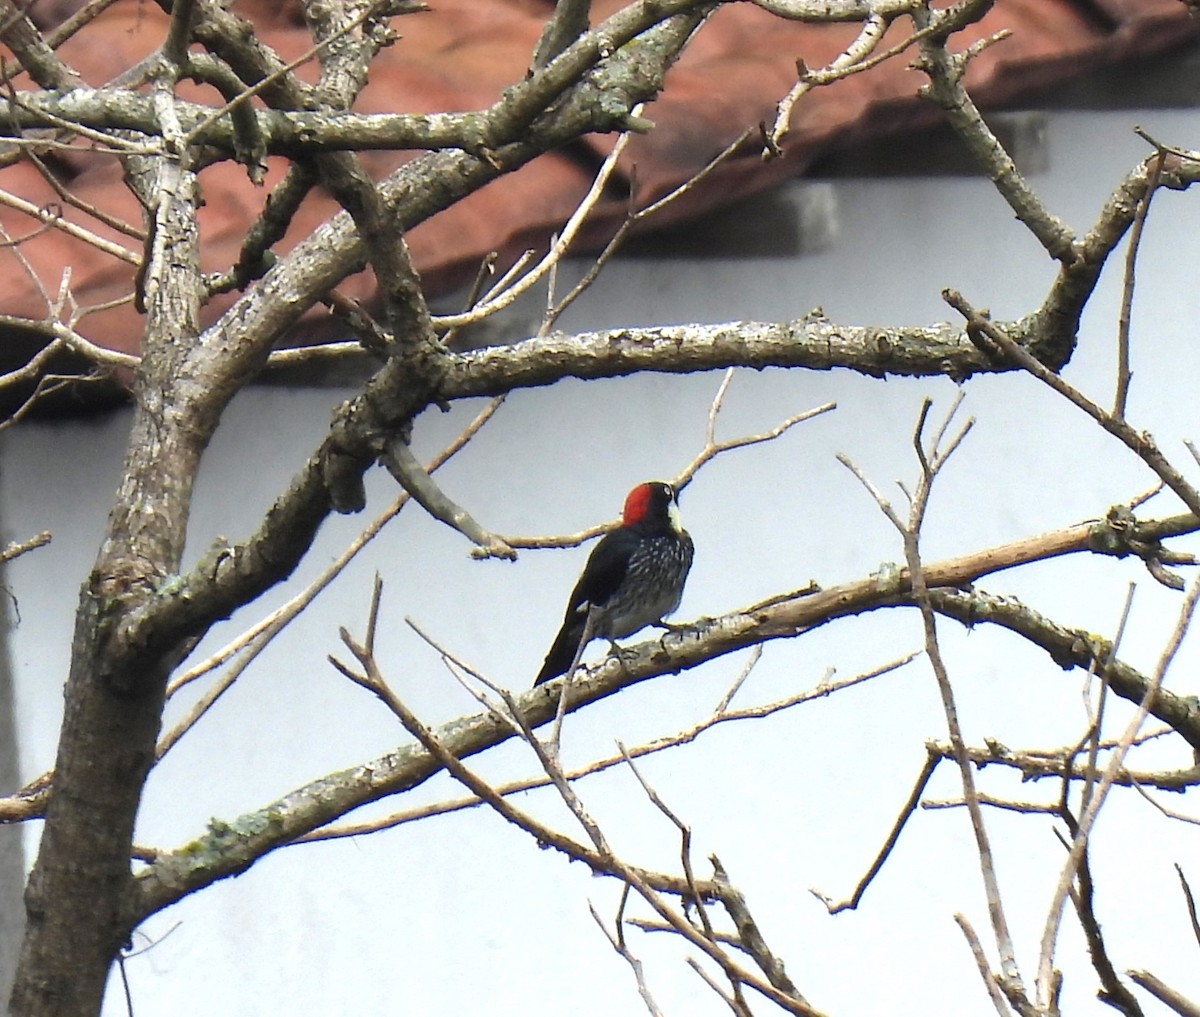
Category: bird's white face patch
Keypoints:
(673, 516)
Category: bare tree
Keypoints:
(140, 616)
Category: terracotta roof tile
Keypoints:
(463, 53)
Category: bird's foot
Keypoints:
(670, 626)
(622, 654)
(669, 629)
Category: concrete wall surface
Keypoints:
(462, 913)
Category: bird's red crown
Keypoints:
(637, 504)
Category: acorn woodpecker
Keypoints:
(633, 577)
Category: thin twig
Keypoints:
(1098, 722)
(684, 737)
(55, 221)
(635, 217)
(1138, 442)
(415, 479)
(985, 969)
(1164, 993)
(1113, 991)
(1191, 903)
(256, 638)
(461, 670)
(932, 462)
(751, 661)
(648, 884)
(736, 1007)
(562, 243)
(1007, 804)
(1123, 319)
(853, 58)
(16, 549)
(617, 942)
(909, 807)
(712, 449)
(1142, 787)
(1087, 819)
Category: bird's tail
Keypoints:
(562, 652)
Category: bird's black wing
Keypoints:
(604, 571)
(602, 575)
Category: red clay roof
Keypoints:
(462, 53)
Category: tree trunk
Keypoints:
(78, 894)
(78, 897)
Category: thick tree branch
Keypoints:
(1072, 648)
(811, 342)
(39, 60)
(293, 133)
(228, 849)
(826, 11)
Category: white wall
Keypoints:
(463, 914)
